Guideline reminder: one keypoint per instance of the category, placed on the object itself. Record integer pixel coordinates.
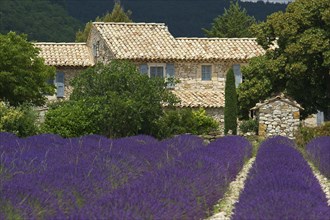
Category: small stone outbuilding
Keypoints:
(279, 115)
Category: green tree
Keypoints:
(234, 22)
(230, 103)
(299, 64)
(116, 100)
(23, 75)
(117, 15)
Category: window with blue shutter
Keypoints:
(144, 69)
(238, 74)
(157, 71)
(206, 72)
(60, 85)
(170, 74)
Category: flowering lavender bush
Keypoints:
(318, 150)
(281, 185)
(47, 176)
(185, 189)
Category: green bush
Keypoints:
(306, 134)
(19, 120)
(230, 103)
(70, 119)
(182, 121)
(114, 100)
(250, 125)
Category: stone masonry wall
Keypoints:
(278, 118)
(190, 74)
(69, 74)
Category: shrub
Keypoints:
(230, 103)
(125, 102)
(182, 121)
(249, 126)
(306, 134)
(71, 119)
(19, 120)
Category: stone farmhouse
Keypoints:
(200, 64)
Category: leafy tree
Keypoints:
(300, 63)
(117, 15)
(234, 22)
(230, 103)
(23, 75)
(114, 100)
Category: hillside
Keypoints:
(59, 20)
(40, 19)
(183, 17)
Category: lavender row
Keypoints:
(281, 185)
(318, 150)
(46, 174)
(186, 189)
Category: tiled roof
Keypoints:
(280, 97)
(153, 41)
(200, 98)
(220, 48)
(142, 41)
(66, 54)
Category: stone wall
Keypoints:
(69, 74)
(104, 54)
(218, 115)
(278, 118)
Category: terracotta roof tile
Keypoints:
(66, 54)
(153, 41)
(220, 48)
(200, 98)
(148, 41)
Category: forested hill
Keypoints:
(39, 19)
(58, 20)
(183, 17)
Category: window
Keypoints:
(206, 72)
(96, 49)
(59, 82)
(157, 71)
(238, 74)
(162, 70)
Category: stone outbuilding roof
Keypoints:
(66, 54)
(154, 42)
(200, 98)
(238, 49)
(280, 97)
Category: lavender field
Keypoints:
(318, 150)
(281, 185)
(92, 177)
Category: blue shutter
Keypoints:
(170, 74)
(60, 85)
(144, 69)
(238, 74)
(319, 118)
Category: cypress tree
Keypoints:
(230, 103)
